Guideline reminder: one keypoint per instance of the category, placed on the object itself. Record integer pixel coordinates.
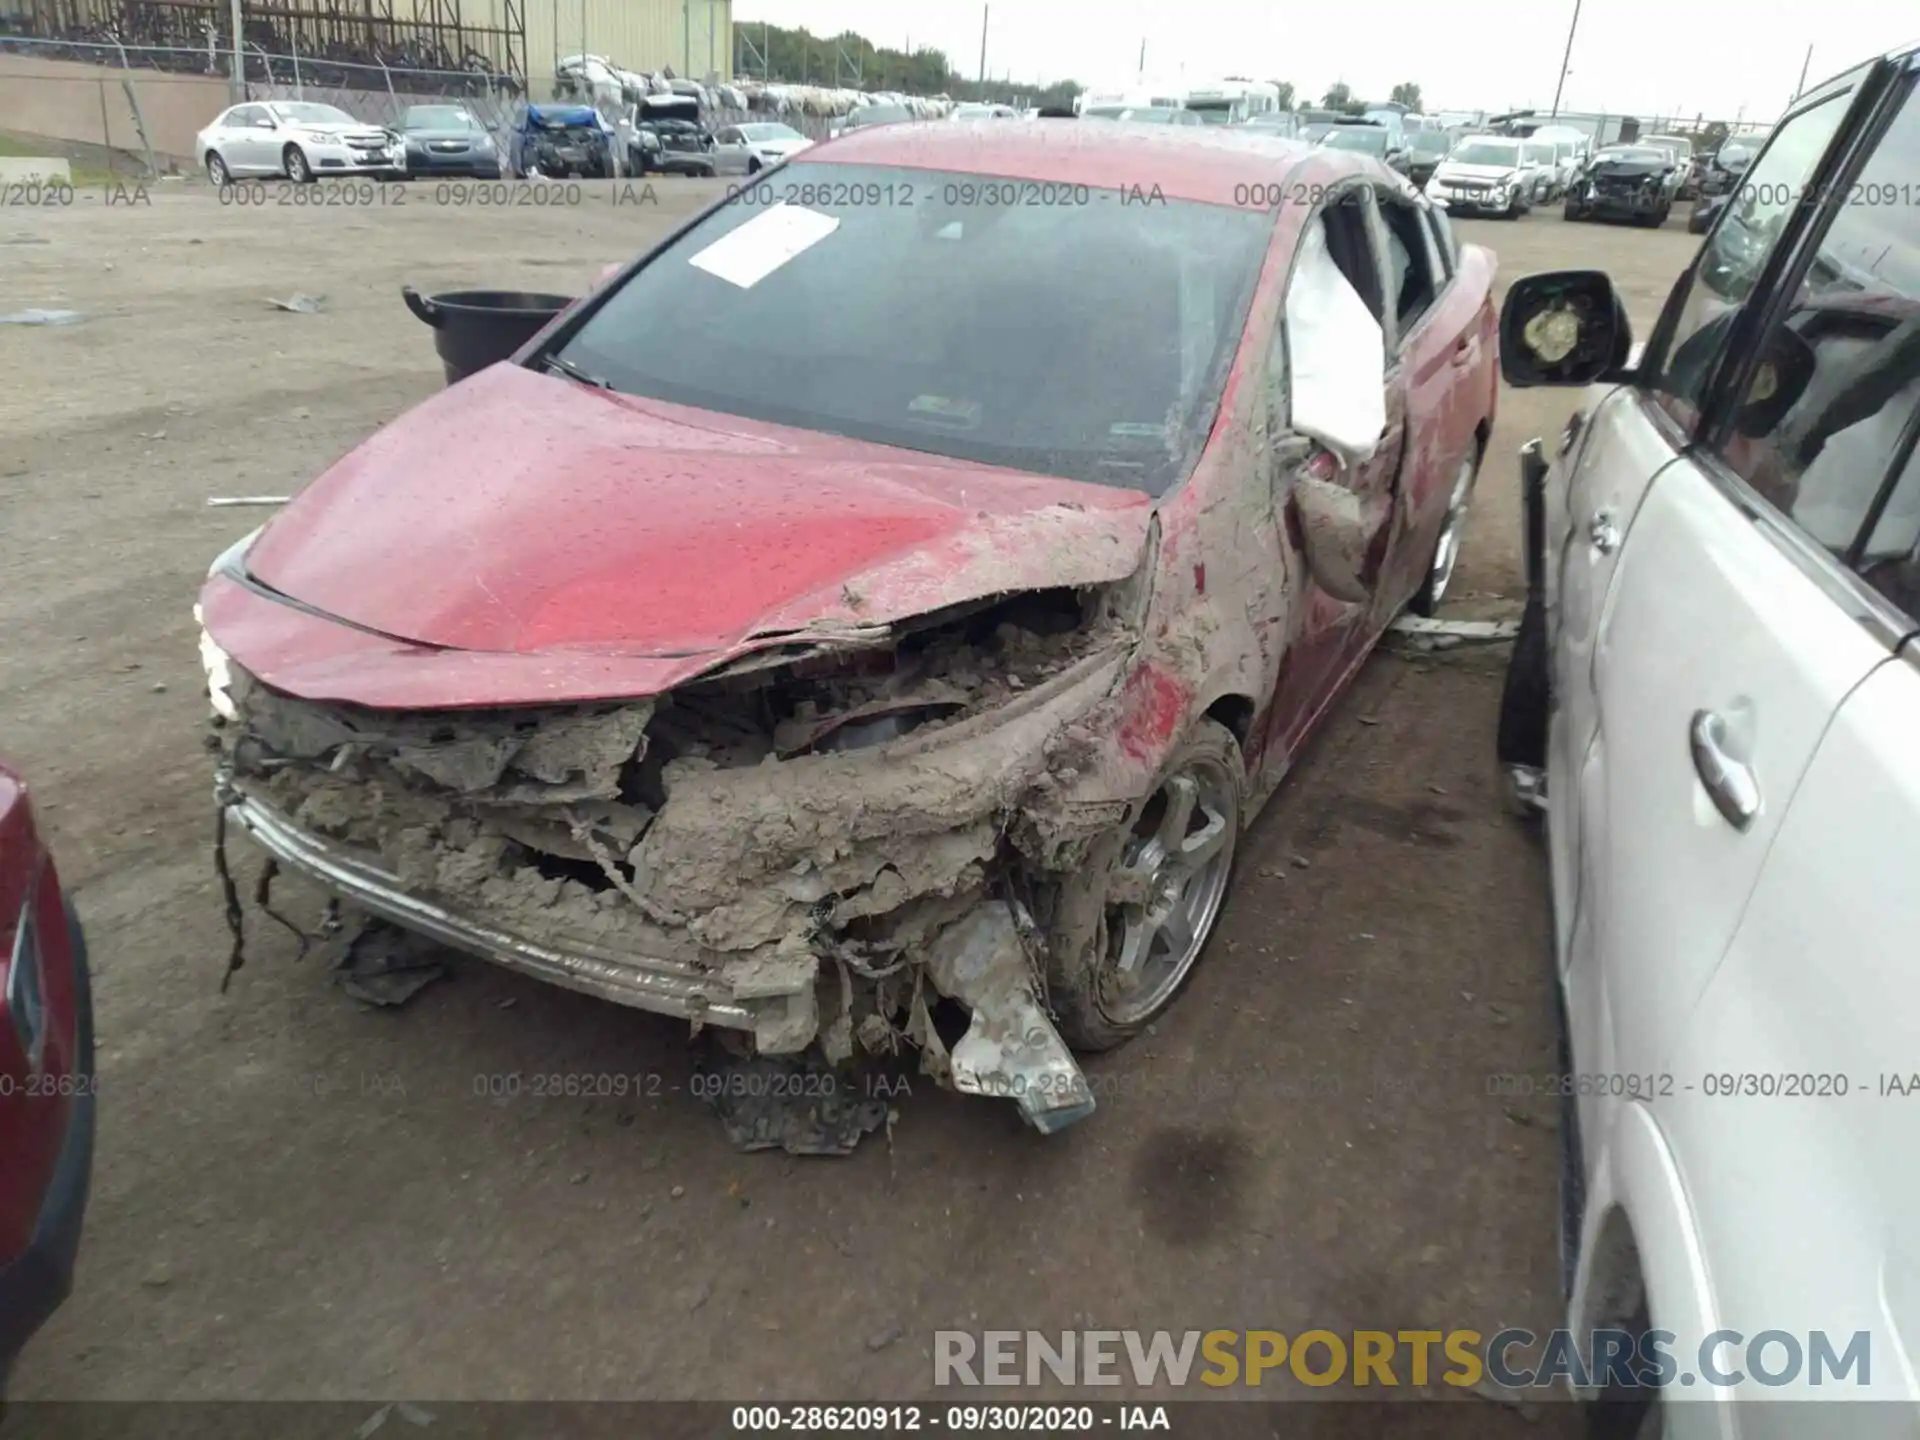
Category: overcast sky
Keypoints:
(1714, 57)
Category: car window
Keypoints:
(729, 136)
(242, 115)
(1411, 276)
(924, 326)
(1835, 388)
(1734, 255)
(1350, 244)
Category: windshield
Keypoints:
(1429, 143)
(771, 132)
(303, 114)
(1367, 142)
(1538, 154)
(1487, 152)
(1065, 340)
(1212, 112)
(1679, 145)
(1150, 115)
(1635, 155)
(437, 117)
(1103, 112)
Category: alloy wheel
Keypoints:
(1446, 555)
(1168, 888)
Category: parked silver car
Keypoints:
(298, 140)
(749, 149)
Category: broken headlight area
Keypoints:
(811, 847)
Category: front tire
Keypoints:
(295, 161)
(1129, 926)
(1571, 211)
(217, 171)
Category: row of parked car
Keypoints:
(302, 141)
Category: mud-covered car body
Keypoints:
(788, 690)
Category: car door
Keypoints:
(1730, 634)
(1803, 1044)
(1442, 354)
(1334, 633)
(730, 152)
(241, 132)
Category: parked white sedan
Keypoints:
(1715, 696)
(749, 149)
(298, 140)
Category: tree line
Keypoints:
(850, 60)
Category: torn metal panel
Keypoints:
(1011, 1050)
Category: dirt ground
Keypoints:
(298, 1197)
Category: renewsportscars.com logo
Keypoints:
(1516, 1359)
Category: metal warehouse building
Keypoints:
(693, 37)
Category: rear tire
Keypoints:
(217, 170)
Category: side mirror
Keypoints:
(1564, 327)
(1337, 531)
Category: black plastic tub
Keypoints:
(473, 329)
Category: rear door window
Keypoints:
(1826, 428)
(1731, 262)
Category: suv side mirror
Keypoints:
(1564, 327)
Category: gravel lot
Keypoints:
(296, 1197)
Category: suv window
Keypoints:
(1734, 255)
(1411, 278)
(1826, 433)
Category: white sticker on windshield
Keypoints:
(746, 256)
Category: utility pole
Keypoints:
(686, 35)
(1143, 58)
(1798, 90)
(984, 9)
(237, 86)
(1565, 60)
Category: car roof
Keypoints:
(1204, 163)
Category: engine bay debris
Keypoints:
(812, 853)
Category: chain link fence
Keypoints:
(142, 101)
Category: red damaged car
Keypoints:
(905, 582)
(46, 1078)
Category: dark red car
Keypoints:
(905, 582)
(46, 1078)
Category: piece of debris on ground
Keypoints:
(387, 966)
(42, 317)
(784, 1103)
(301, 304)
(1422, 636)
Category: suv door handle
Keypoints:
(1602, 533)
(1731, 785)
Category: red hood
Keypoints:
(525, 514)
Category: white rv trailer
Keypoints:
(1230, 101)
(1107, 102)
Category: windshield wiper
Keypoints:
(559, 365)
